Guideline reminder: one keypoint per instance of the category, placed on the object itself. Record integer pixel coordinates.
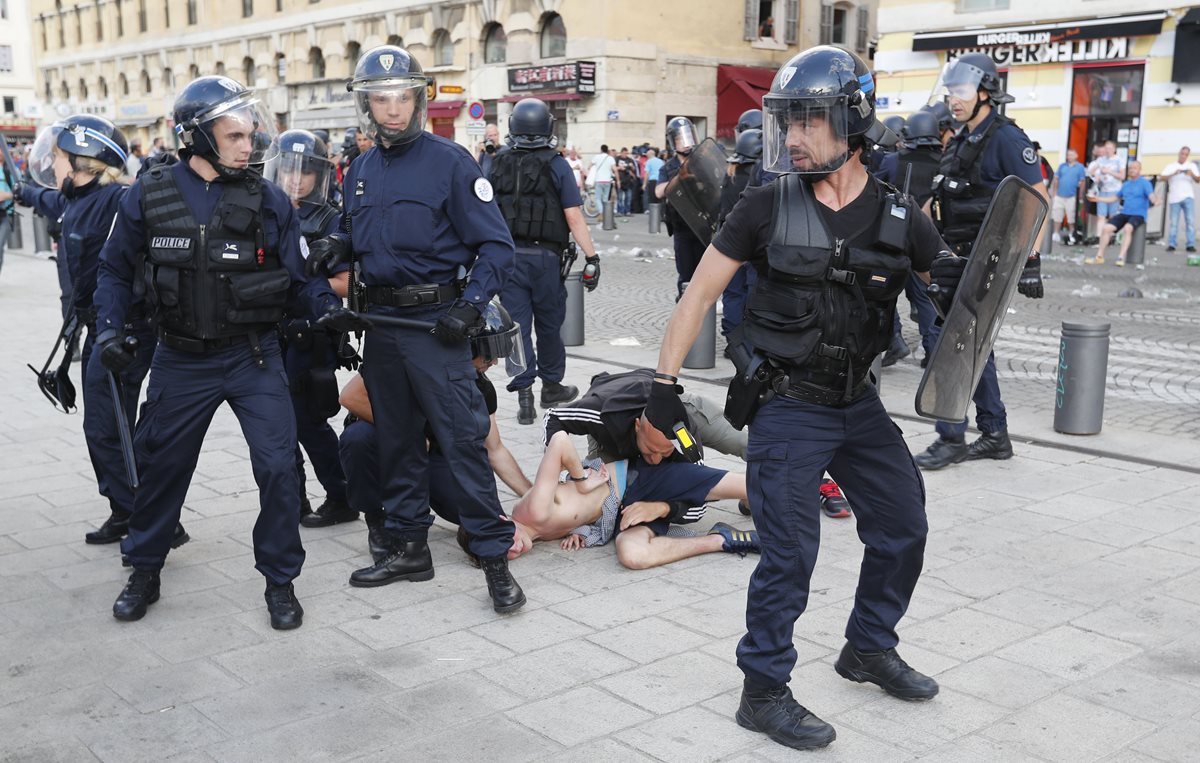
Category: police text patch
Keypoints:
(1029, 155)
(170, 242)
(483, 190)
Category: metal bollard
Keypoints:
(610, 214)
(16, 237)
(572, 327)
(1048, 239)
(703, 353)
(1137, 247)
(655, 215)
(41, 235)
(1082, 377)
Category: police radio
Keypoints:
(893, 225)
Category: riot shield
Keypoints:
(1007, 236)
(695, 193)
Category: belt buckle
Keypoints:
(426, 294)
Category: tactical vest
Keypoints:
(528, 200)
(925, 164)
(314, 226)
(963, 198)
(215, 280)
(824, 308)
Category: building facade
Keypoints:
(1094, 71)
(613, 72)
(18, 105)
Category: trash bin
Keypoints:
(572, 327)
(1082, 378)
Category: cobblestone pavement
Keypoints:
(1059, 610)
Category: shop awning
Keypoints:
(1135, 25)
(739, 88)
(548, 97)
(336, 118)
(445, 109)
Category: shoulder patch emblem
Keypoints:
(483, 190)
(1029, 155)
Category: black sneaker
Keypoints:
(113, 529)
(285, 609)
(833, 503)
(139, 593)
(330, 513)
(994, 445)
(776, 713)
(886, 670)
(554, 394)
(740, 542)
(506, 593)
(941, 454)
(526, 414)
(1170, 248)
(464, 542)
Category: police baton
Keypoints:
(114, 389)
(390, 321)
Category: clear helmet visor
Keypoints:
(957, 80)
(505, 349)
(683, 137)
(804, 136)
(242, 131)
(42, 156)
(303, 177)
(391, 111)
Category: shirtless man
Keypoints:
(633, 500)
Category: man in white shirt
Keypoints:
(1181, 177)
(603, 165)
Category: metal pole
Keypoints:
(610, 214)
(1082, 378)
(655, 216)
(572, 328)
(1137, 246)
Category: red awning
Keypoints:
(445, 109)
(543, 96)
(739, 88)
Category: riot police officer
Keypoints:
(879, 152)
(419, 216)
(681, 139)
(219, 249)
(945, 120)
(747, 154)
(828, 276)
(302, 170)
(536, 191)
(750, 119)
(987, 148)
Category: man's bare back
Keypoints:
(552, 511)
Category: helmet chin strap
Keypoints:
(975, 111)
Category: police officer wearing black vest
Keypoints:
(536, 191)
(833, 248)
(219, 249)
(987, 148)
(681, 139)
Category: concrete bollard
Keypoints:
(1137, 247)
(1048, 239)
(703, 353)
(41, 235)
(16, 237)
(655, 215)
(610, 214)
(1082, 378)
(572, 327)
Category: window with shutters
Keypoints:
(826, 24)
(773, 22)
(142, 26)
(191, 12)
(862, 29)
(6, 58)
(443, 48)
(99, 21)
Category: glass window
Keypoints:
(6, 58)
(554, 37)
(191, 12)
(353, 52)
(248, 71)
(146, 86)
(281, 68)
(142, 16)
(395, 39)
(443, 49)
(99, 21)
(83, 89)
(123, 84)
(838, 34)
(247, 8)
(10, 104)
(317, 60)
(495, 44)
(102, 87)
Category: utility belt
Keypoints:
(549, 246)
(411, 296)
(759, 379)
(203, 346)
(818, 394)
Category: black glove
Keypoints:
(664, 409)
(17, 188)
(347, 357)
(325, 254)
(343, 320)
(1030, 283)
(116, 355)
(461, 322)
(591, 272)
(945, 272)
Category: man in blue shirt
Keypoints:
(1137, 196)
(1064, 190)
(653, 168)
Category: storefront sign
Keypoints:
(1039, 35)
(579, 76)
(451, 89)
(1107, 49)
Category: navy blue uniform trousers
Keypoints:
(990, 415)
(918, 296)
(535, 297)
(184, 392)
(100, 419)
(791, 445)
(414, 379)
(317, 437)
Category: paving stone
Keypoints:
(691, 735)
(579, 715)
(1110, 533)
(334, 735)
(602, 749)
(966, 633)
(420, 621)
(180, 642)
(1069, 652)
(1132, 688)
(1062, 727)
(1185, 540)
(919, 727)
(649, 639)
(558, 667)
(150, 736)
(717, 616)
(973, 749)
(532, 630)
(57, 750)
(1147, 622)
(1173, 741)
(622, 605)
(1033, 608)
(311, 647)
(1004, 683)
(439, 658)
(494, 738)
(452, 700)
(674, 682)
(161, 688)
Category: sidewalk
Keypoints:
(1059, 610)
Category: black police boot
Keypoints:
(776, 713)
(506, 593)
(898, 349)
(378, 540)
(464, 542)
(285, 609)
(113, 529)
(305, 507)
(526, 414)
(140, 592)
(554, 393)
(178, 539)
(991, 445)
(941, 454)
(886, 670)
(330, 513)
(408, 560)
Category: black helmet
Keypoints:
(751, 119)
(749, 147)
(323, 135)
(78, 135)
(531, 125)
(348, 141)
(895, 123)
(828, 84)
(390, 77)
(941, 112)
(301, 167)
(921, 129)
(967, 75)
(681, 135)
(207, 100)
(500, 339)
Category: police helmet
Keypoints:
(751, 119)
(389, 85)
(825, 86)
(681, 135)
(749, 147)
(941, 112)
(78, 135)
(895, 123)
(500, 339)
(966, 75)
(218, 119)
(301, 167)
(531, 125)
(921, 129)
(323, 135)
